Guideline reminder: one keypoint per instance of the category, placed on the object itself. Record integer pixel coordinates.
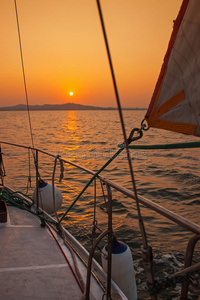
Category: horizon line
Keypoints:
(77, 106)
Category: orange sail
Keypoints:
(175, 104)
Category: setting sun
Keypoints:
(137, 51)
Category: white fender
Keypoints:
(46, 197)
(122, 268)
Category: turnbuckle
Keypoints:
(134, 138)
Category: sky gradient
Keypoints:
(63, 50)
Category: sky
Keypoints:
(64, 51)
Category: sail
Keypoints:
(175, 104)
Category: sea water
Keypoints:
(89, 138)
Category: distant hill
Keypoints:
(65, 106)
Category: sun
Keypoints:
(71, 93)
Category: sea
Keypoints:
(170, 178)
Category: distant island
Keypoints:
(65, 106)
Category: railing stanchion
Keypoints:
(110, 236)
(188, 262)
(37, 180)
(89, 267)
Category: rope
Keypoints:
(15, 200)
(23, 71)
(2, 168)
(77, 280)
(91, 180)
(95, 205)
(53, 187)
(144, 237)
(25, 85)
(164, 146)
(146, 247)
(29, 172)
(79, 275)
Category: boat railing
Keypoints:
(183, 222)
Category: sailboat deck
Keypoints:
(31, 264)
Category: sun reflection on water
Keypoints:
(71, 122)
(69, 132)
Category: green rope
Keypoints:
(22, 201)
(91, 180)
(14, 200)
(164, 146)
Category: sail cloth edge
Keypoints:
(158, 113)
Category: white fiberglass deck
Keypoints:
(31, 263)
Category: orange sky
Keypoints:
(64, 51)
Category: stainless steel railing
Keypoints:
(190, 226)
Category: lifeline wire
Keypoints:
(24, 77)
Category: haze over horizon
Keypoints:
(64, 52)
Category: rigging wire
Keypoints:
(146, 248)
(121, 118)
(23, 71)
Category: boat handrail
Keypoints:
(148, 203)
(190, 226)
